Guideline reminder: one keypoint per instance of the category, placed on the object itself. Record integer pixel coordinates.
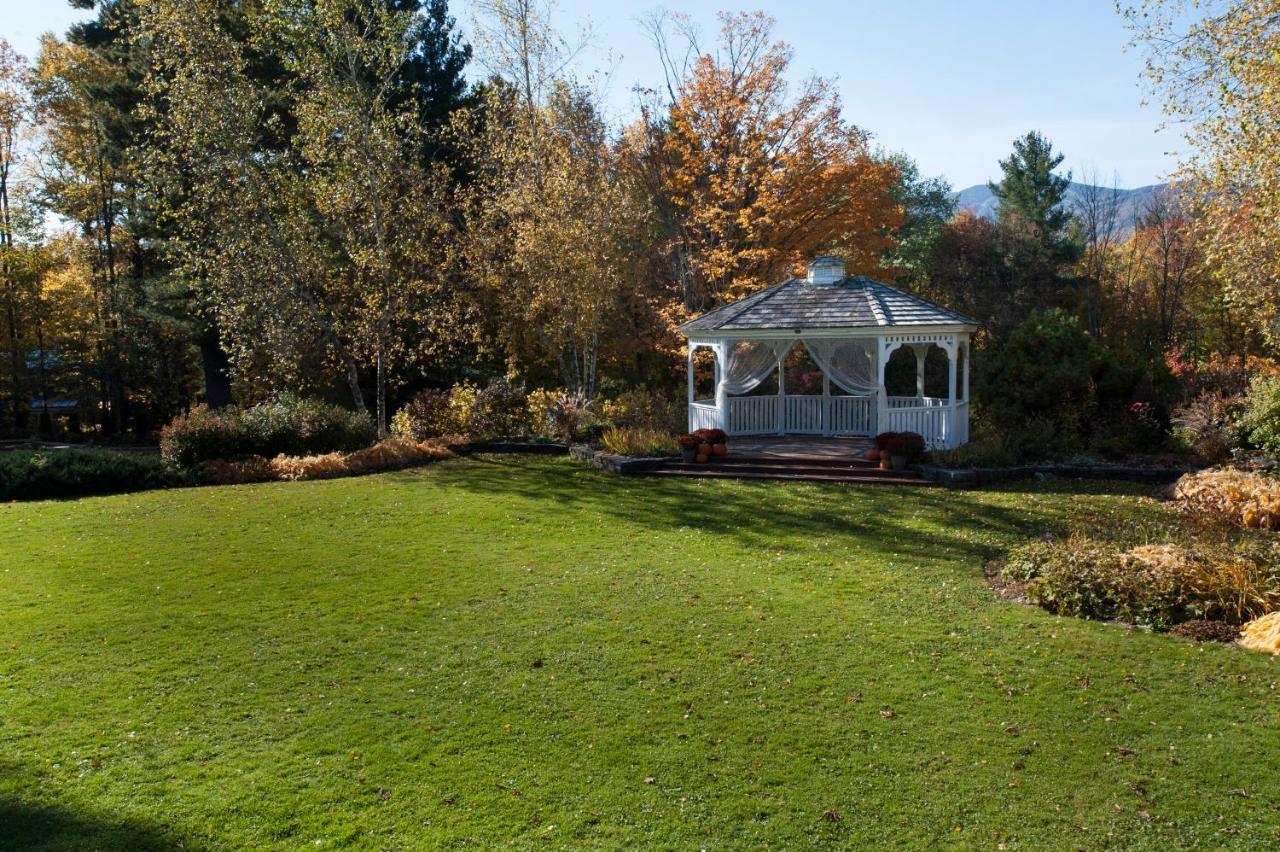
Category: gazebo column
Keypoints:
(782, 393)
(966, 371)
(882, 397)
(691, 387)
(921, 351)
(953, 353)
(722, 393)
(826, 404)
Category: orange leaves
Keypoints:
(755, 178)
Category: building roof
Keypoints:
(851, 302)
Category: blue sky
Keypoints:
(951, 84)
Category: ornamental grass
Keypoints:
(391, 454)
(1262, 634)
(1248, 499)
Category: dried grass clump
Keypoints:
(1250, 499)
(392, 454)
(1262, 634)
(236, 472)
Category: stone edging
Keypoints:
(981, 476)
(615, 464)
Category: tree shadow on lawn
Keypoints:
(901, 521)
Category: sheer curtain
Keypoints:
(749, 362)
(851, 364)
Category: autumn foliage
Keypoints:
(750, 181)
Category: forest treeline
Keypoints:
(205, 201)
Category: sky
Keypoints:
(950, 84)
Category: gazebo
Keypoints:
(850, 326)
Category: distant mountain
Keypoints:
(979, 201)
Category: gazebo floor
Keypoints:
(794, 457)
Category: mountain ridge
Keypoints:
(978, 200)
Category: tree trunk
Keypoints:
(382, 396)
(353, 382)
(216, 367)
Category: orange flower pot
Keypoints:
(886, 463)
(873, 454)
(704, 449)
(720, 449)
(702, 458)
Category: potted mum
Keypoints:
(688, 447)
(898, 449)
(719, 441)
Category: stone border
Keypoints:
(978, 477)
(616, 464)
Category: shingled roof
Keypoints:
(851, 302)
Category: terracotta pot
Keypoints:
(886, 463)
(704, 449)
(701, 458)
(720, 449)
(873, 454)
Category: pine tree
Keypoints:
(1030, 189)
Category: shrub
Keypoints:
(288, 426)
(27, 475)
(1262, 634)
(427, 415)
(1248, 499)
(1208, 426)
(1206, 630)
(638, 441)
(498, 410)
(560, 414)
(1046, 368)
(640, 407)
(1152, 585)
(1261, 417)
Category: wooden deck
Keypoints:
(807, 459)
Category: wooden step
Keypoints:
(780, 475)
(805, 469)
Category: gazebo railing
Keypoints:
(916, 402)
(703, 414)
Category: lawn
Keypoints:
(529, 652)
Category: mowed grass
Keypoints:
(527, 652)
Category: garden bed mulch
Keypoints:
(542, 448)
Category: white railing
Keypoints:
(960, 424)
(940, 425)
(752, 415)
(851, 415)
(930, 422)
(703, 415)
(916, 402)
(800, 415)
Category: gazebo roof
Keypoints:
(850, 302)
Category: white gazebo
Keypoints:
(850, 325)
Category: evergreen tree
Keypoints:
(1030, 189)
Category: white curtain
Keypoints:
(749, 363)
(851, 364)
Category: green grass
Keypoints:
(352, 663)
